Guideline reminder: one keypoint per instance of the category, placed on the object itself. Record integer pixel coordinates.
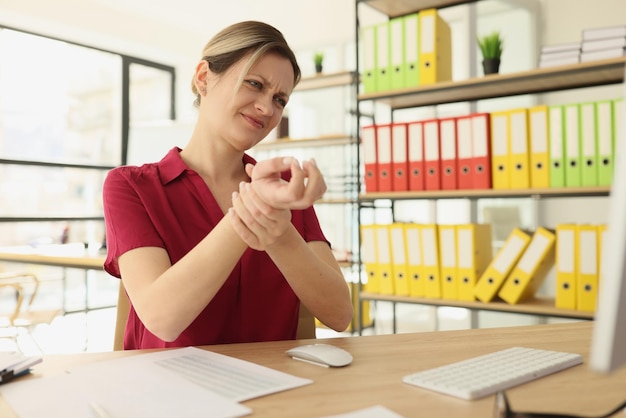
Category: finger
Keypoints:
(250, 218)
(296, 186)
(271, 167)
(244, 233)
(316, 182)
(261, 213)
(310, 167)
(241, 209)
(249, 168)
(256, 203)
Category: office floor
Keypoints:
(74, 290)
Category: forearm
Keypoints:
(169, 303)
(315, 278)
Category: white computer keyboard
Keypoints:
(487, 374)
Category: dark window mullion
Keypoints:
(126, 61)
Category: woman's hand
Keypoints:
(305, 186)
(258, 224)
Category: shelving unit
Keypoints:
(542, 307)
(489, 193)
(589, 74)
(543, 80)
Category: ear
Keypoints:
(201, 76)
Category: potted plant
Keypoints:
(318, 59)
(491, 49)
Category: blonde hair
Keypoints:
(236, 41)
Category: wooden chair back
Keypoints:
(123, 308)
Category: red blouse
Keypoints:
(168, 205)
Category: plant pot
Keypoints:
(318, 68)
(491, 66)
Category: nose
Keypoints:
(265, 104)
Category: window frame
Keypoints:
(126, 62)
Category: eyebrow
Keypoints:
(265, 81)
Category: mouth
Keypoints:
(257, 123)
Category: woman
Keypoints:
(211, 246)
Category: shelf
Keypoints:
(322, 141)
(541, 80)
(54, 218)
(536, 306)
(395, 8)
(334, 201)
(489, 193)
(320, 81)
(345, 263)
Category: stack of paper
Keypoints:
(185, 382)
(603, 43)
(559, 54)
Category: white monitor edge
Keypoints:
(608, 346)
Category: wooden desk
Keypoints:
(374, 377)
(65, 256)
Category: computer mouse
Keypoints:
(321, 354)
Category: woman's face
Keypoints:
(245, 118)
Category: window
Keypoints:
(65, 111)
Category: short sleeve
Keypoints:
(128, 225)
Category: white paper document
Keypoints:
(377, 411)
(185, 382)
(126, 395)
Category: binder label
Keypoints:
(605, 133)
(571, 127)
(429, 252)
(588, 247)
(479, 130)
(427, 41)
(500, 143)
(533, 253)
(448, 256)
(413, 242)
(416, 152)
(506, 258)
(410, 32)
(519, 144)
(431, 135)
(538, 132)
(465, 238)
(565, 250)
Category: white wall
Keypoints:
(564, 20)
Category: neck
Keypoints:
(212, 161)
